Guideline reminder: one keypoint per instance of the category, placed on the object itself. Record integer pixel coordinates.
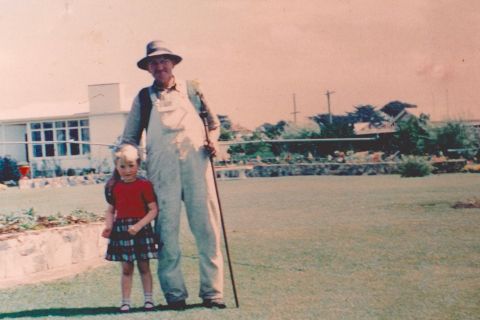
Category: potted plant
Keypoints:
(24, 169)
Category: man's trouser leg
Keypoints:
(168, 191)
(203, 217)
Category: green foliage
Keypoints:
(456, 135)
(29, 220)
(394, 108)
(225, 135)
(273, 131)
(305, 131)
(9, 169)
(366, 113)
(225, 121)
(250, 150)
(412, 137)
(412, 166)
(340, 127)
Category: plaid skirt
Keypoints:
(122, 246)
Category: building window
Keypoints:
(37, 150)
(53, 139)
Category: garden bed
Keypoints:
(29, 220)
(35, 248)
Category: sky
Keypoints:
(251, 56)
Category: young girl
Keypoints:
(132, 206)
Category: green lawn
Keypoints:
(313, 247)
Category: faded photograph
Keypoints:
(240, 159)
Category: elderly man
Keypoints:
(178, 166)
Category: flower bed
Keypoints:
(29, 220)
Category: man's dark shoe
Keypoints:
(212, 303)
(177, 305)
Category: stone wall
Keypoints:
(344, 169)
(49, 254)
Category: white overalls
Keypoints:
(179, 167)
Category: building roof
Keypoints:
(364, 128)
(54, 117)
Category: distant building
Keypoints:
(47, 143)
(240, 131)
(393, 113)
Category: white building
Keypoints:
(46, 143)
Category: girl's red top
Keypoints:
(131, 198)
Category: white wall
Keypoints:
(105, 98)
(105, 129)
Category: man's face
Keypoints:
(161, 69)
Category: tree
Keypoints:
(226, 133)
(308, 130)
(412, 137)
(252, 150)
(458, 136)
(273, 131)
(366, 113)
(225, 121)
(394, 108)
(341, 126)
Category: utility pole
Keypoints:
(328, 93)
(294, 110)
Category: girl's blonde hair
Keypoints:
(126, 152)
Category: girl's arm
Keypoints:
(109, 215)
(151, 214)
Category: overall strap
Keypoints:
(145, 108)
(198, 100)
(193, 95)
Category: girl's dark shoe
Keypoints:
(124, 308)
(148, 306)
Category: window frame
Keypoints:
(49, 142)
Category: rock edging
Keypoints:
(49, 254)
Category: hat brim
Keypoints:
(143, 63)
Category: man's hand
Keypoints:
(210, 149)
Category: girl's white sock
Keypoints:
(126, 301)
(148, 297)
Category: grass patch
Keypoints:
(316, 247)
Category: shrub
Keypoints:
(412, 166)
(8, 169)
(71, 172)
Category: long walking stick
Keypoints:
(204, 116)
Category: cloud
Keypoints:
(427, 68)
